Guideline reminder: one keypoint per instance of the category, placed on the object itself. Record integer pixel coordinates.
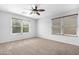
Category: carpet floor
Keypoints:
(37, 46)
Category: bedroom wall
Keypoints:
(45, 29)
(6, 29)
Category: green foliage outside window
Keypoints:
(19, 26)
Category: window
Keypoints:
(57, 26)
(70, 25)
(66, 25)
(16, 26)
(19, 26)
(25, 27)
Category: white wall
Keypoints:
(45, 30)
(6, 31)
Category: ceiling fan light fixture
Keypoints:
(35, 10)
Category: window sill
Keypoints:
(19, 33)
(69, 35)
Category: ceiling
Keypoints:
(50, 9)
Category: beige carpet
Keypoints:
(37, 46)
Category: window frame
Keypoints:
(21, 26)
(25, 26)
(62, 29)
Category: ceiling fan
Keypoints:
(35, 10)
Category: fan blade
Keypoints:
(37, 13)
(31, 12)
(36, 7)
(41, 10)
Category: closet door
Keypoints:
(70, 25)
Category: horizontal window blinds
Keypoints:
(66, 25)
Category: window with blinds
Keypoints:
(65, 25)
(57, 26)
